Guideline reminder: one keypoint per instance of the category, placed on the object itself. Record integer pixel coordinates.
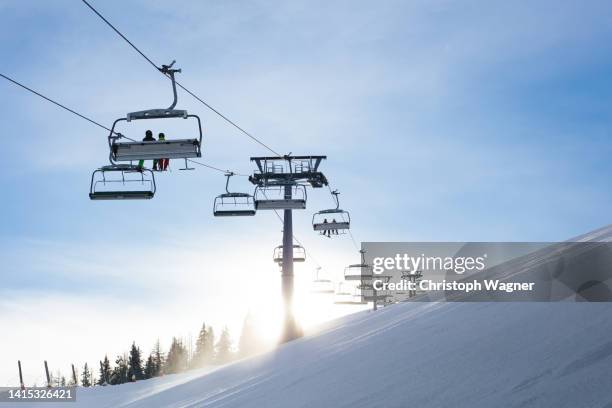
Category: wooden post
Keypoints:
(48, 377)
(20, 376)
(74, 377)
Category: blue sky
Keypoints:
(443, 120)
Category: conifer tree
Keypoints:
(159, 360)
(135, 371)
(176, 360)
(204, 351)
(223, 350)
(86, 376)
(105, 372)
(149, 370)
(119, 374)
(210, 344)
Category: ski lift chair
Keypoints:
(233, 204)
(347, 296)
(358, 272)
(299, 254)
(122, 182)
(321, 284)
(156, 149)
(334, 221)
(274, 197)
(371, 295)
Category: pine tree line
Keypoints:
(132, 366)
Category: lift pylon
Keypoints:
(286, 172)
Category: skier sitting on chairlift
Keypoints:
(148, 138)
(162, 164)
(326, 232)
(334, 231)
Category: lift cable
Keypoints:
(57, 103)
(228, 120)
(190, 160)
(224, 117)
(217, 169)
(104, 127)
(100, 125)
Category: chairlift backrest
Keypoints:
(122, 151)
(358, 272)
(299, 254)
(126, 182)
(274, 197)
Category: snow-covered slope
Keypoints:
(410, 355)
(422, 355)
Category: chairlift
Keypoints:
(299, 254)
(233, 204)
(280, 197)
(348, 295)
(122, 182)
(372, 295)
(332, 222)
(156, 149)
(320, 284)
(360, 271)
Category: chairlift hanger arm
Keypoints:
(335, 194)
(287, 157)
(228, 175)
(168, 71)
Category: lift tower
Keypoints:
(281, 185)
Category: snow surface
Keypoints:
(409, 355)
(421, 355)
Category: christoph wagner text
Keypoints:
(428, 285)
(405, 262)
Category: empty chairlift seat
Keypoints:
(276, 197)
(358, 272)
(371, 295)
(299, 254)
(122, 182)
(234, 205)
(346, 294)
(320, 283)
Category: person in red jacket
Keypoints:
(162, 165)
